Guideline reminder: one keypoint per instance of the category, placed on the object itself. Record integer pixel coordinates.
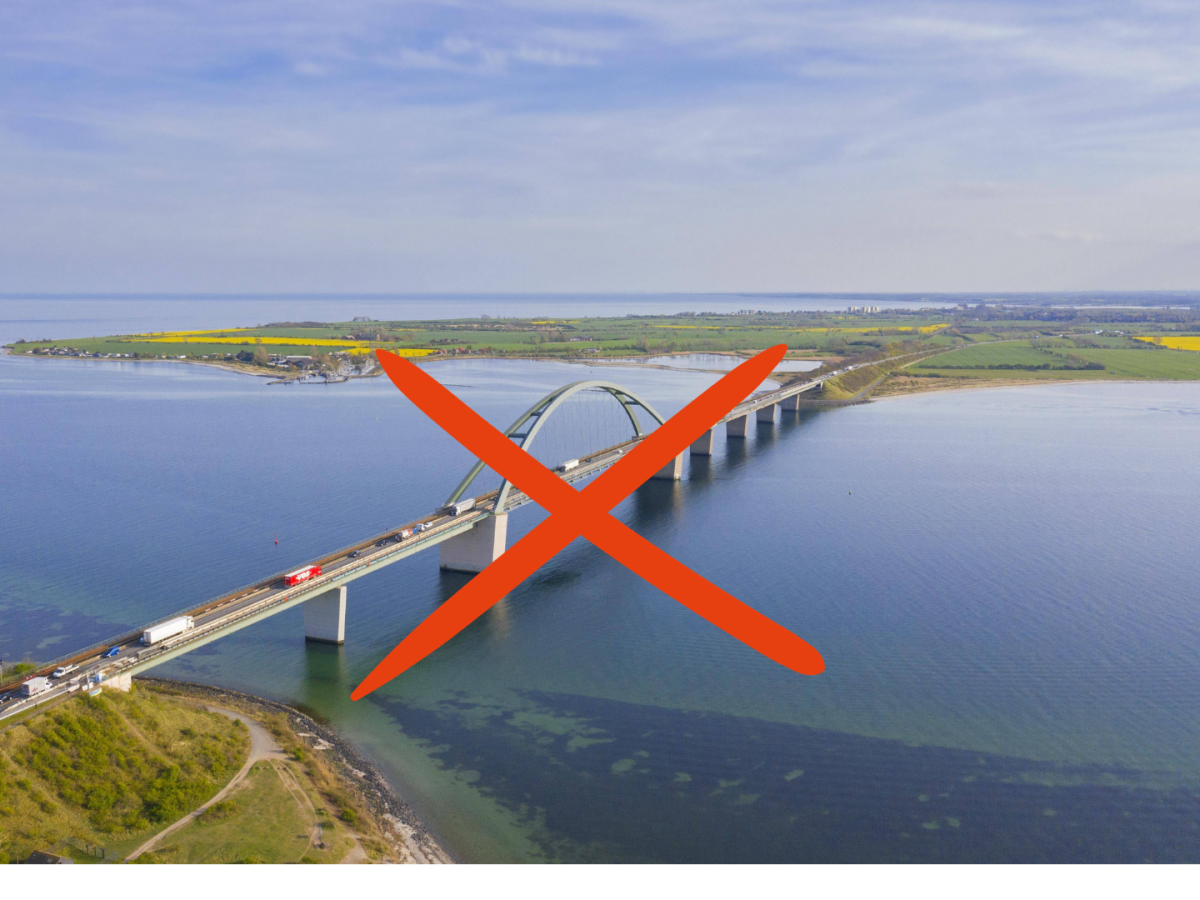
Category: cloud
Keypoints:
(595, 144)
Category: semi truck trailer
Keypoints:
(165, 630)
(301, 575)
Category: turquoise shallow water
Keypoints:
(1003, 583)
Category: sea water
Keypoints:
(1002, 583)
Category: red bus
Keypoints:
(294, 578)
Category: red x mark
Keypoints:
(574, 513)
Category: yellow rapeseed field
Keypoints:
(255, 339)
(180, 335)
(924, 329)
(399, 351)
(1183, 342)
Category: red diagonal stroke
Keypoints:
(575, 513)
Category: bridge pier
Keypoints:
(475, 550)
(702, 446)
(766, 413)
(791, 404)
(325, 617)
(122, 682)
(736, 428)
(672, 471)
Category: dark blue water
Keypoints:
(1003, 584)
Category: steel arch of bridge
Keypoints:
(541, 411)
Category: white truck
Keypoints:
(569, 465)
(35, 686)
(168, 629)
(457, 509)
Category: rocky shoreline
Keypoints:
(373, 789)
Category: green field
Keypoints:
(1162, 364)
(1064, 359)
(1015, 353)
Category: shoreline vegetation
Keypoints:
(174, 772)
(967, 347)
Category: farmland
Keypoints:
(983, 343)
(628, 336)
(1063, 359)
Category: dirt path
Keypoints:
(262, 746)
(316, 837)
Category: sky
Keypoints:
(599, 145)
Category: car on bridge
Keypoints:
(110, 652)
(63, 670)
(354, 554)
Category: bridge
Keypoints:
(469, 534)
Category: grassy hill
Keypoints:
(96, 778)
(110, 770)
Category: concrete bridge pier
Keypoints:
(672, 471)
(325, 617)
(736, 428)
(766, 413)
(791, 404)
(702, 446)
(475, 550)
(122, 682)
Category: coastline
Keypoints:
(375, 373)
(410, 837)
(867, 395)
(217, 364)
(998, 384)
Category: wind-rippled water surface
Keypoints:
(1003, 584)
